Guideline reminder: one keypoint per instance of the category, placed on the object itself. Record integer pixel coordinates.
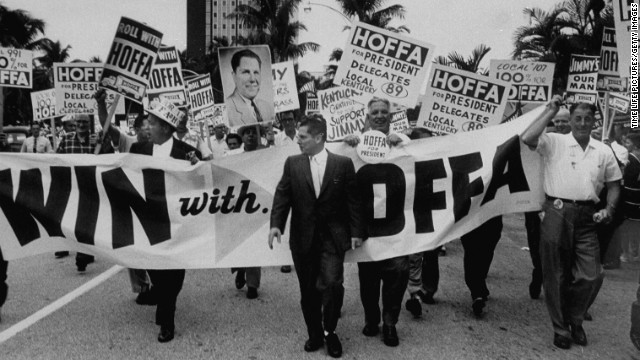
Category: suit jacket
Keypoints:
(240, 113)
(336, 215)
(179, 150)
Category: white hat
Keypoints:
(166, 111)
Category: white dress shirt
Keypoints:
(282, 139)
(576, 174)
(318, 163)
(164, 150)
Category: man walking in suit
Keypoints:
(163, 119)
(327, 219)
(243, 105)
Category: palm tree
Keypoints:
(54, 52)
(472, 63)
(272, 21)
(372, 12)
(572, 27)
(19, 30)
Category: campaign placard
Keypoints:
(384, 64)
(460, 101)
(373, 147)
(219, 115)
(16, 68)
(399, 121)
(312, 104)
(284, 87)
(201, 97)
(583, 76)
(43, 104)
(75, 85)
(166, 80)
(531, 82)
(344, 115)
(620, 102)
(608, 75)
(131, 59)
(626, 36)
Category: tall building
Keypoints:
(207, 19)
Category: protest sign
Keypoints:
(620, 102)
(627, 37)
(201, 101)
(531, 82)
(284, 87)
(247, 83)
(219, 116)
(156, 213)
(75, 85)
(166, 80)
(458, 100)
(608, 75)
(381, 63)
(131, 59)
(583, 76)
(312, 104)
(344, 115)
(399, 121)
(16, 68)
(43, 104)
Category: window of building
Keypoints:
(215, 15)
(215, 26)
(224, 26)
(224, 15)
(215, 3)
(233, 26)
(239, 26)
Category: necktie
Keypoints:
(315, 174)
(255, 108)
(35, 144)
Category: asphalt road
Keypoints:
(216, 321)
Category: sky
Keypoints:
(455, 25)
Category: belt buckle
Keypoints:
(558, 204)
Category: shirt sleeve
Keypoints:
(545, 145)
(23, 149)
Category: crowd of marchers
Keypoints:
(589, 220)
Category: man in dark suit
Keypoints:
(327, 219)
(243, 105)
(167, 284)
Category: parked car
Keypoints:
(15, 136)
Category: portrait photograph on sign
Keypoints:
(247, 84)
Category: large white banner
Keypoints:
(381, 63)
(144, 212)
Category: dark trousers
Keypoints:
(320, 275)
(83, 259)
(479, 245)
(532, 224)
(424, 272)
(570, 255)
(4, 288)
(394, 275)
(166, 287)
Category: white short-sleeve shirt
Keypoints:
(573, 173)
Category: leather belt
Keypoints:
(575, 202)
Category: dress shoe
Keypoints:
(146, 297)
(389, 335)
(252, 293)
(534, 289)
(427, 298)
(313, 345)
(334, 347)
(82, 267)
(370, 330)
(588, 317)
(562, 342)
(61, 254)
(611, 265)
(285, 269)
(578, 335)
(478, 306)
(165, 335)
(414, 307)
(240, 280)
